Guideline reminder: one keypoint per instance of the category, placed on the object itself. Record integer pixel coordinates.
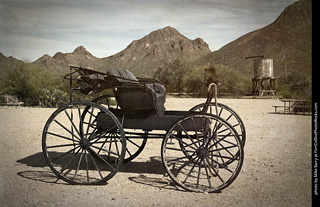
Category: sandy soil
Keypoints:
(276, 169)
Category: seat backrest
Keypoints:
(142, 99)
(122, 75)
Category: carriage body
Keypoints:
(202, 149)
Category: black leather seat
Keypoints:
(138, 98)
(123, 74)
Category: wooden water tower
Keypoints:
(263, 82)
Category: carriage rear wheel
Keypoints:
(80, 150)
(211, 157)
(227, 114)
(136, 140)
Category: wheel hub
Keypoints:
(84, 143)
(202, 152)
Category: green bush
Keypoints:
(296, 85)
(173, 76)
(2, 99)
(232, 81)
(178, 77)
(229, 81)
(33, 85)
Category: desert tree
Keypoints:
(173, 75)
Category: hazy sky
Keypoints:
(32, 28)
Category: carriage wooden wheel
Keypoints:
(227, 114)
(78, 149)
(211, 156)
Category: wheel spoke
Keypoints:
(103, 143)
(91, 113)
(63, 137)
(227, 119)
(89, 123)
(87, 165)
(65, 167)
(117, 148)
(223, 148)
(215, 171)
(198, 178)
(221, 139)
(71, 120)
(127, 150)
(193, 166)
(180, 140)
(220, 165)
(68, 152)
(226, 149)
(104, 150)
(226, 141)
(195, 130)
(95, 164)
(186, 133)
(221, 109)
(128, 139)
(104, 132)
(76, 173)
(178, 149)
(206, 169)
(100, 158)
(67, 129)
(62, 145)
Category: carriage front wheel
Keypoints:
(211, 157)
(83, 149)
(227, 114)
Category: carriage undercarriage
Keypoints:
(87, 142)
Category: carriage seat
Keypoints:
(137, 97)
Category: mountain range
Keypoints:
(287, 40)
(142, 56)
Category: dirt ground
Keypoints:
(276, 169)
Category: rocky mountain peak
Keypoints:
(60, 62)
(295, 13)
(201, 43)
(44, 57)
(6, 61)
(168, 40)
(165, 33)
(58, 55)
(155, 49)
(81, 51)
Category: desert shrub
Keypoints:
(229, 81)
(178, 77)
(198, 79)
(2, 98)
(232, 81)
(296, 85)
(33, 85)
(173, 76)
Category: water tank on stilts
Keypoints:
(263, 82)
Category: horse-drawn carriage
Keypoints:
(87, 142)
